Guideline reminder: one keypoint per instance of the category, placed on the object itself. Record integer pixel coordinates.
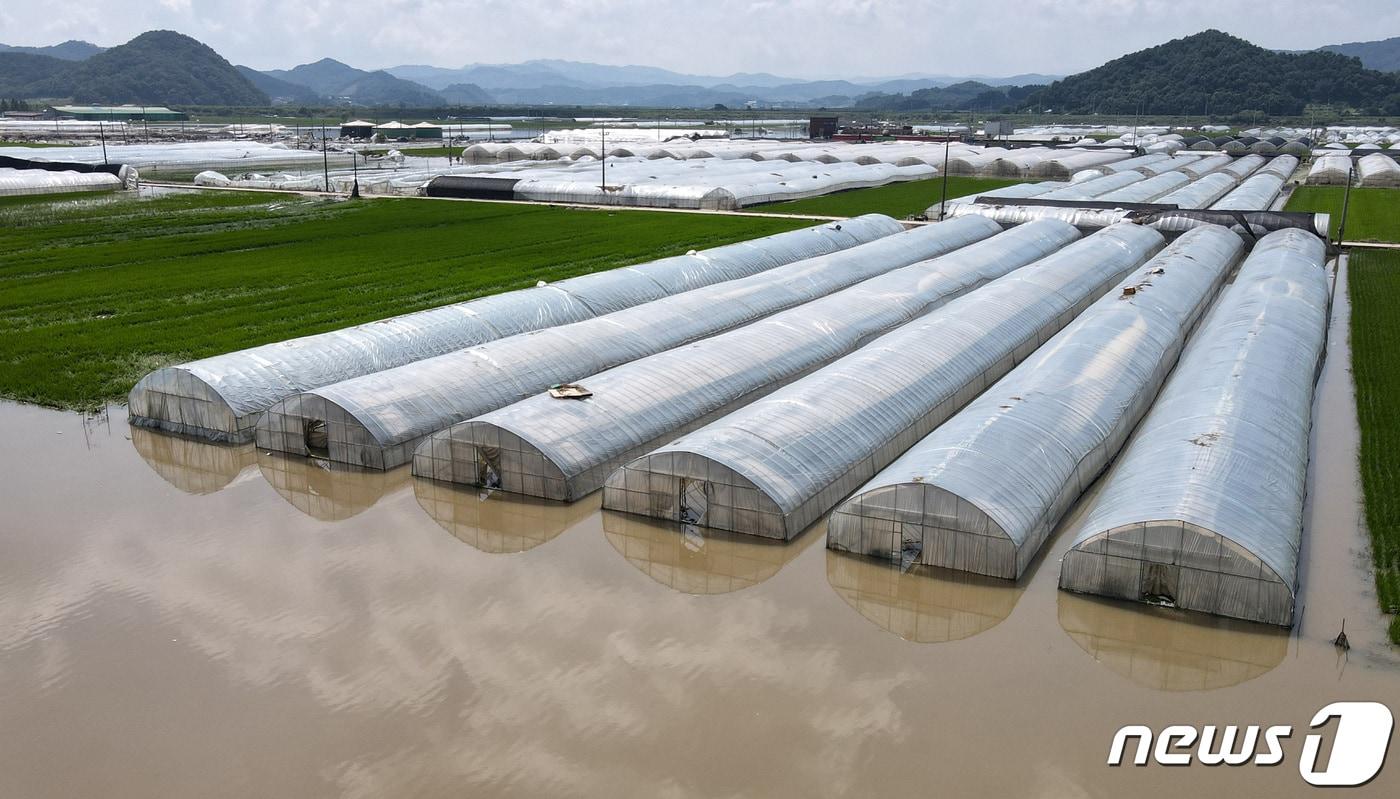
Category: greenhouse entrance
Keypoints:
(1159, 583)
(694, 501)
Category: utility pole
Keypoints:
(355, 165)
(325, 159)
(603, 155)
(103, 136)
(943, 200)
(1346, 201)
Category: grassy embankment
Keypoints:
(95, 293)
(899, 200)
(1374, 290)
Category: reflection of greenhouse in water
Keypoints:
(327, 491)
(495, 522)
(1171, 650)
(695, 560)
(925, 604)
(194, 467)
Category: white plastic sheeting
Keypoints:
(1202, 192)
(1062, 168)
(1330, 170)
(1205, 166)
(1146, 191)
(984, 490)
(221, 397)
(775, 466)
(1094, 188)
(565, 449)
(1005, 193)
(376, 420)
(184, 156)
(15, 182)
(725, 185)
(1259, 190)
(1204, 510)
(1378, 171)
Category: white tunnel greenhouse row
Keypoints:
(39, 181)
(962, 159)
(152, 159)
(984, 490)
(221, 397)
(1331, 168)
(778, 464)
(1205, 507)
(378, 419)
(565, 450)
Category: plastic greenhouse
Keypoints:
(221, 397)
(1330, 170)
(1204, 510)
(1146, 191)
(775, 466)
(984, 490)
(377, 420)
(1378, 171)
(1201, 193)
(564, 450)
(40, 181)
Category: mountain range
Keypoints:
(1383, 55)
(169, 68)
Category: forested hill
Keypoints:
(1228, 74)
(157, 67)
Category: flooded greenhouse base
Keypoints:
(185, 619)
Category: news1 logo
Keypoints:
(1359, 745)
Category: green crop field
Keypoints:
(1375, 361)
(899, 200)
(96, 292)
(1372, 214)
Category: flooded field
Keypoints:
(182, 619)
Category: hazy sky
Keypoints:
(800, 38)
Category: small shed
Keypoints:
(822, 126)
(356, 129)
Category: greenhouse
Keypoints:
(775, 466)
(1205, 166)
(1062, 168)
(1330, 170)
(1091, 189)
(1380, 171)
(1202, 192)
(1146, 191)
(377, 420)
(1256, 193)
(565, 450)
(15, 182)
(1204, 510)
(984, 490)
(221, 397)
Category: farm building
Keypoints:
(118, 113)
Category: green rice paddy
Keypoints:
(95, 292)
(1374, 289)
(1372, 214)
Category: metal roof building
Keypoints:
(118, 113)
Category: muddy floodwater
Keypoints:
(185, 620)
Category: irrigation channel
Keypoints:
(371, 632)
